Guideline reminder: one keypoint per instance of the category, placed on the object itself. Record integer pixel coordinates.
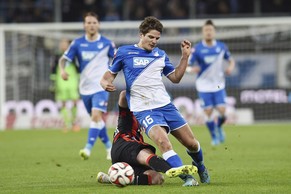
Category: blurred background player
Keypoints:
(210, 82)
(66, 91)
(129, 146)
(93, 52)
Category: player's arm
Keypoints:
(62, 65)
(177, 75)
(231, 62)
(68, 56)
(107, 81)
(231, 66)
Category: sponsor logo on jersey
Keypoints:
(83, 45)
(203, 51)
(88, 55)
(130, 53)
(103, 103)
(139, 62)
(210, 59)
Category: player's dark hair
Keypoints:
(209, 22)
(150, 23)
(91, 13)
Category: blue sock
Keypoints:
(211, 128)
(172, 158)
(104, 138)
(197, 158)
(93, 134)
(184, 177)
(221, 120)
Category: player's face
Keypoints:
(150, 40)
(91, 25)
(208, 32)
(64, 44)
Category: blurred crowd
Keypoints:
(23, 11)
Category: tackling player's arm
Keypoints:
(177, 75)
(107, 81)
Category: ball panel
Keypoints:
(121, 174)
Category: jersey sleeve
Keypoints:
(117, 63)
(71, 52)
(112, 50)
(169, 68)
(193, 57)
(227, 54)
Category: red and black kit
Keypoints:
(128, 141)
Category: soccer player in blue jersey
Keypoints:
(93, 52)
(143, 65)
(129, 146)
(210, 83)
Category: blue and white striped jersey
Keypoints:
(143, 72)
(93, 58)
(210, 60)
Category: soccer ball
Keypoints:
(121, 174)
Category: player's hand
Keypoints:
(107, 86)
(107, 81)
(186, 48)
(110, 88)
(64, 75)
(228, 70)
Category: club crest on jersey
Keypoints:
(218, 49)
(100, 45)
(156, 54)
(139, 62)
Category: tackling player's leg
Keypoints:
(103, 177)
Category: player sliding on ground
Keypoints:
(129, 146)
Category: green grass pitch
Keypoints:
(254, 159)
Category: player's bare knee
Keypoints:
(96, 117)
(194, 146)
(122, 94)
(143, 155)
(164, 144)
(122, 99)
